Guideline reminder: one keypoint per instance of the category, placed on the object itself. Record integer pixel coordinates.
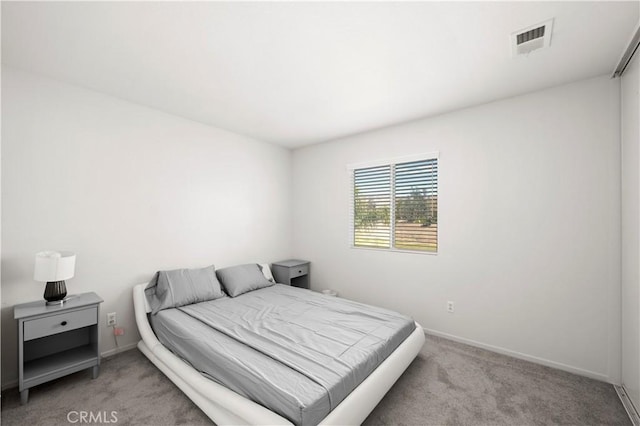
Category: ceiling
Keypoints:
(297, 73)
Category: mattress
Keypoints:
(296, 352)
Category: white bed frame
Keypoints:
(225, 407)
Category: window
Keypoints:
(395, 205)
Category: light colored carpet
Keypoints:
(448, 384)
(454, 384)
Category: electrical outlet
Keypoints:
(450, 307)
(111, 319)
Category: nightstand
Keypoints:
(291, 272)
(54, 341)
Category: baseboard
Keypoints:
(105, 354)
(114, 351)
(628, 405)
(10, 385)
(519, 355)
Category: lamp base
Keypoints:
(55, 292)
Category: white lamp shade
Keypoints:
(54, 266)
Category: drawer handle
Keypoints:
(63, 323)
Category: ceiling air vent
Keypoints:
(532, 38)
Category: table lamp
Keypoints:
(53, 267)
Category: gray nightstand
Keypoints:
(54, 341)
(292, 272)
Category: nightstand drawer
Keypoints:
(60, 323)
(298, 271)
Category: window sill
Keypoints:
(394, 250)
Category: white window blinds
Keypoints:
(372, 207)
(395, 205)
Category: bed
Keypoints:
(224, 403)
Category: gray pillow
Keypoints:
(170, 289)
(242, 278)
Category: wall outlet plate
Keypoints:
(111, 319)
(450, 307)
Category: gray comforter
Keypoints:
(296, 352)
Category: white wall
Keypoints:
(529, 226)
(131, 190)
(630, 99)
